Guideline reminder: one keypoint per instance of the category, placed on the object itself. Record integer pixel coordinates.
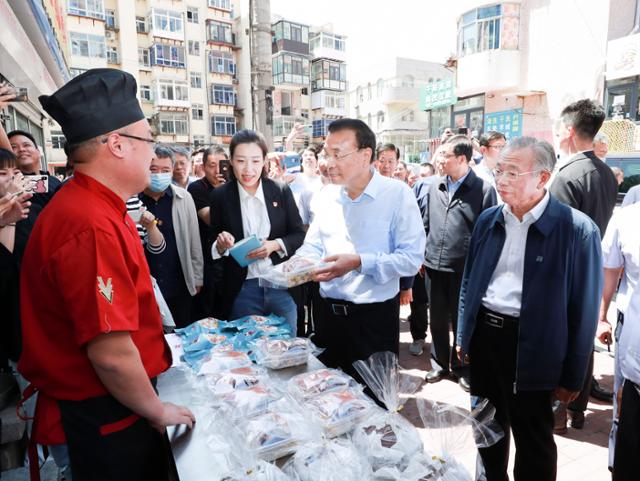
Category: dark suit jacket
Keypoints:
(226, 215)
(587, 184)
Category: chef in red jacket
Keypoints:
(92, 334)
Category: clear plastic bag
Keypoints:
(294, 272)
(310, 384)
(222, 360)
(331, 460)
(339, 411)
(260, 471)
(247, 403)
(387, 438)
(454, 435)
(282, 353)
(236, 379)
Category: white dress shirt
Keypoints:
(504, 293)
(255, 221)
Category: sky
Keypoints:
(380, 30)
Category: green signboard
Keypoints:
(440, 93)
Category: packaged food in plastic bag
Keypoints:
(250, 402)
(222, 360)
(309, 384)
(206, 341)
(387, 438)
(339, 411)
(454, 435)
(425, 467)
(329, 460)
(260, 471)
(256, 320)
(193, 330)
(281, 353)
(293, 272)
(236, 378)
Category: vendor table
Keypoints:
(193, 460)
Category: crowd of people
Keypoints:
(502, 244)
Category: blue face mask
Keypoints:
(160, 182)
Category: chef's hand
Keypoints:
(406, 296)
(173, 415)
(268, 247)
(339, 265)
(224, 241)
(564, 395)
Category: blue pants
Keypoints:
(253, 299)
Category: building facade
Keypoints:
(390, 104)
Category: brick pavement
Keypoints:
(582, 454)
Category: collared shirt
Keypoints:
(632, 196)
(628, 349)
(382, 225)
(452, 186)
(621, 248)
(255, 221)
(85, 274)
(486, 174)
(504, 293)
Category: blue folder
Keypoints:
(241, 248)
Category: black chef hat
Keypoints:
(98, 101)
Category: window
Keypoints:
(141, 25)
(333, 100)
(192, 15)
(221, 62)
(57, 140)
(110, 19)
(222, 94)
(291, 31)
(196, 80)
(194, 47)
(143, 57)
(479, 30)
(198, 140)
(221, 125)
(319, 127)
(173, 123)
(328, 74)
(76, 71)
(145, 93)
(85, 45)
(167, 55)
(197, 112)
(290, 68)
(218, 31)
(167, 20)
(112, 55)
(173, 90)
(86, 8)
(221, 4)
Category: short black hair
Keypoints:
(489, 137)
(246, 136)
(197, 151)
(388, 146)
(24, 133)
(585, 116)
(215, 149)
(429, 166)
(365, 138)
(461, 146)
(7, 159)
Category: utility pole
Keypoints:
(261, 79)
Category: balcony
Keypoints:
(284, 45)
(400, 95)
(490, 70)
(331, 103)
(329, 46)
(290, 37)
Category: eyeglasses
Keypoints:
(135, 137)
(497, 147)
(512, 176)
(326, 156)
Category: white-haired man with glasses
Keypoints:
(529, 307)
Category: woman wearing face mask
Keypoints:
(252, 204)
(173, 247)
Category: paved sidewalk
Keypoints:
(582, 454)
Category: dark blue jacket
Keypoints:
(561, 292)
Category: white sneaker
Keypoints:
(415, 349)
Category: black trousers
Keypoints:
(419, 319)
(180, 307)
(357, 331)
(626, 462)
(202, 305)
(527, 414)
(443, 314)
(107, 442)
(300, 295)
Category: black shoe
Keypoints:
(463, 382)
(436, 375)
(559, 418)
(577, 419)
(600, 393)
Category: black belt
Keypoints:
(339, 307)
(496, 319)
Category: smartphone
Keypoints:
(21, 95)
(39, 184)
(291, 163)
(223, 168)
(463, 131)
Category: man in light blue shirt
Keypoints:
(370, 232)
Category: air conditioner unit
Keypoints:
(109, 35)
